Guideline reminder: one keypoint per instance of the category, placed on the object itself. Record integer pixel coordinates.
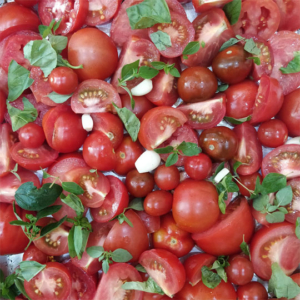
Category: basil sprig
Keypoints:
(149, 286)
(161, 40)
(293, 66)
(168, 68)
(8, 289)
(233, 11)
(245, 247)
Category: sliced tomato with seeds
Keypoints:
(205, 5)
(294, 207)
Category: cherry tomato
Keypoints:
(63, 80)
(198, 167)
(249, 182)
(31, 135)
(294, 211)
(252, 291)
(166, 178)
(158, 203)
(34, 254)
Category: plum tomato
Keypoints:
(198, 167)
(142, 104)
(31, 135)
(192, 200)
(252, 291)
(32, 253)
(248, 182)
(205, 5)
(63, 80)
(167, 178)
(197, 84)
(151, 223)
(293, 207)
(158, 203)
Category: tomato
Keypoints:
(192, 200)
(240, 99)
(31, 135)
(180, 31)
(203, 6)
(249, 149)
(71, 12)
(252, 291)
(165, 269)
(249, 181)
(34, 254)
(15, 18)
(205, 114)
(114, 203)
(110, 286)
(225, 237)
(197, 84)
(158, 203)
(110, 125)
(10, 183)
(12, 238)
(3, 108)
(284, 160)
(127, 154)
(63, 80)
(151, 223)
(98, 152)
(198, 167)
(293, 209)
(212, 30)
(276, 243)
(193, 265)
(133, 239)
(93, 49)
(219, 143)
(52, 283)
(3, 81)
(163, 122)
(27, 3)
(263, 23)
(166, 178)
(290, 113)
(282, 56)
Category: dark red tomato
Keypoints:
(198, 167)
(151, 223)
(71, 12)
(276, 243)
(52, 283)
(226, 236)
(248, 181)
(252, 291)
(95, 50)
(27, 3)
(63, 80)
(114, 203)
(249, 149)
(220, 143)
(192, 200)
(284, 160)
(166, 178)
(205, 5)
(158, 124)
(264, 23)
(34, 254)
(12, 238)
(282, 56)
(15, 18)
(293, 207)
(290, 113)
(98, 152)
(54, 243)
(139, 184)
(205, 114)
(165, 269)
(110, 286)
(158, 203)
(180, 31)
(170, 237)
(213, 29)
(193, 265)
(31, 135)
(3, 108)
(240, 99)
(110, 125)
(232, 65)
(10, 183)
(3, 81)
(133, 239)
(127, 154)
(197, 84)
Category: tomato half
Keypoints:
(293, 207)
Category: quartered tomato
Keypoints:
(3, 81)
(293, 208)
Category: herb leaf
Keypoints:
(72, 187)
(161, 40)
(121, 255)
(210, 278)
(237, 121)
(251, 47)
(58, 98)
(275, 217)
(297, 230)
(172, 159)
(73, 201)
(61, 62)
(149, 286)
(293, 66)
(191, 48)
(29, 269)
(164, 150)
(58, 42)
(95, 251)
(48, 211)
(233, 11)
(147, 72)
(50, 227)
(245, 247)
(189, 149)
(223, 87)
(136, 204)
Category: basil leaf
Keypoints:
(275, 217)
(74, 202)
(30, 198)
(58, 98)
(29, 269)
(147, 72)
(136, 204)
(297, 230)
(174, 72)
(71, 241)
(172, 159)
(229, 185)
(272, 208)
(78, 240)
(121, 255)
(95, 251)
(210, 278)
(105, 266)
(245, 247)
(236, 165)
(164, 150)
(223, 87)
(140, 268)
(237, 121)
(273, 182)
(158, 65)
(202, 44)
(284, 196)
(221, 202)
(56, 25)
(233, 11)
(61, 62)
(130, 69)
(149, 286)
(229, 43)
(189, 149)
(161, 40)
(219, 168)
(293, 66)
(20, 286)
(255, 59)
(50, 227)
(251, 47)
(58, 42)
(72, 187)
(191, 48)
(19, 223)
(48, 211)
(46, 30)
(148, 13)
(283, 209)
(261, 202)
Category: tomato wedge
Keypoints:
(293, 207)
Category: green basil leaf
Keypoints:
(161, 40)
(128, 221)
(251, 47)
(10, 280)
(245, 247)
(46, 30)
(72, 187)
(121, 255)
(272, 208)
(297, 230)
(229, 43)
(56, 25)
(221, 272)
(20, 286)
(275, 217)
(261, 202)
(219, 168)
(283, 209)
(48, 211)
(61, 62)
(149, 286)
(137, 204)
(202, 44)
(237, 121)
(191, 48)
(71, 241)
(223, 87)
(50, 227)
(78, 240)
(130, 69)
(236, 165)
(18, 80)
(74, 202)
(233, 11)
(19, 223)
(172, 159)
(140, 268)
(273, 182)
(255, 59)
(95, 251)
(210, 278)
(58, 98)
(45, 174)
(293, 66)
(29, 269)
(148, 13)
(164, 150)
(58, 42)
(284, 196)
(105, 266)
(158, 65)
(230, 186)
(174, 72)
(147, 72)
(189, 149)
(221, 202)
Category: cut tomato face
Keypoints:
(158, 124)
(276, 243)
(94, 96)
(283, 160)
(294, 207)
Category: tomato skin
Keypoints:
(158, 203)
(63, 80)
(252, 291)
(151, 223)
(198, 167)
(294, 212)
(249, 181)
(31, 135)
(33, 253)
(139, 184)
(167, 178)
(27, 3)
(201, 7)
(2, 105)
(288, 15)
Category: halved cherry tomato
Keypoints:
(158, 203)
(204, 5)
(167, 178)
(293, 207)
(151, 223)
(31, 135)
(139, 184)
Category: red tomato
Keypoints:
(63, 80)
(53, 283)
(15, 18)
(213, 29)
(249, 150)
(293, 208)
(165, 269)
(198, 167)
(167, 178)
(284, 160)
(205, 5)
(192, 200)
(264, 23)
(27, 3)
(71, 12)
(3, 81)
(248, 181)
(276, 243)
(226, 236)
(34, 254)
(252, 291)
(3, 108)
(151, 223)
(31, 135)
(163, 122)
(158, 203)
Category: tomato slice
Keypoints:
(53, 283)
(94, 96)
(205, 5)
(158, 124)
(165, 269)
(283, 160)
(294, 208)
(213, 29)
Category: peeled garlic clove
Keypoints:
(148, 161)
(295, 140)
(87, 122)
(221, 175)
(142, 88)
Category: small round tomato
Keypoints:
(197, 84)
(33, 253)
(63, 80)
(293, 207)
(231, 65)
(220, 143)
(158, 203)
(252, 291)
(167, 178)
(31, 135)
(198, 167)
(248, 182)
(139, 185)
